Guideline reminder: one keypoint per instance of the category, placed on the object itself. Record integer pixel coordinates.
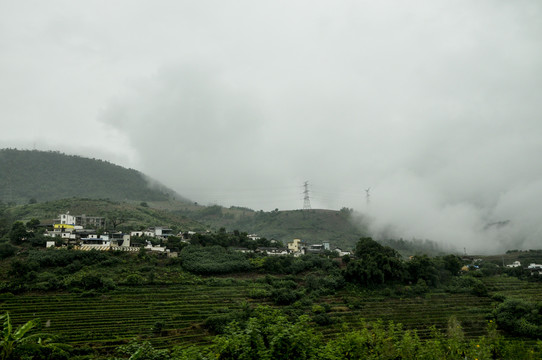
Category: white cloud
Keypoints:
(432, 104)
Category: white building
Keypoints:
(154, 232)
(67, 219)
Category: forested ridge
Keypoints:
(31, 175)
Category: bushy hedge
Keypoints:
(296, 265)
(467, 284)
(211, 260)
(60, 258)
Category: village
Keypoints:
(82, 232)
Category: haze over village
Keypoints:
(432, 105)
(267, 180)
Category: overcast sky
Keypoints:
(433, 105)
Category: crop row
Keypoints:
(415, 313)
(104, 321)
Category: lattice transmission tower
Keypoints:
(306, 197)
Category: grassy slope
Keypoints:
(135, 214)
(314, 226)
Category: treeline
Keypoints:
(375, 264)
(233, 239)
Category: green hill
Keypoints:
(28, 176)
(314, 226)
(45, 184)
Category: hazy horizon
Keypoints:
(433, 105)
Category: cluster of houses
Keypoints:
(533, 268)
(296, 247)
(86, 233)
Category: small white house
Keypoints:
(515, 264)
(273, 251)
(155, 248)
(342, 252)
(68, 235)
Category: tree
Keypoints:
(116, 218)
(18, 232)
(374, 264)
(422, 267)
(32, 224)
(7, 250)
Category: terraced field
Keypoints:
(415, 313)
(514, 287)
(108, 320)
(105, 321)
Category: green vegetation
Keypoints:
(214, 302)
(213, 260)
(315, 226)
(28, 177)
(19, 343)
(44, 184)
(121, 216)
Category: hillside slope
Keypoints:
(130, 216)
(37, 175)
(60, 183)
(314, 226)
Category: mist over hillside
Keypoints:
(35, 176)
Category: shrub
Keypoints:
(7, 250)
(135, 279)
(520, 317)
(284, 296)
(213, 260)
(93, 282)
(467, 284)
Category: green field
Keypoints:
(103, 321)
